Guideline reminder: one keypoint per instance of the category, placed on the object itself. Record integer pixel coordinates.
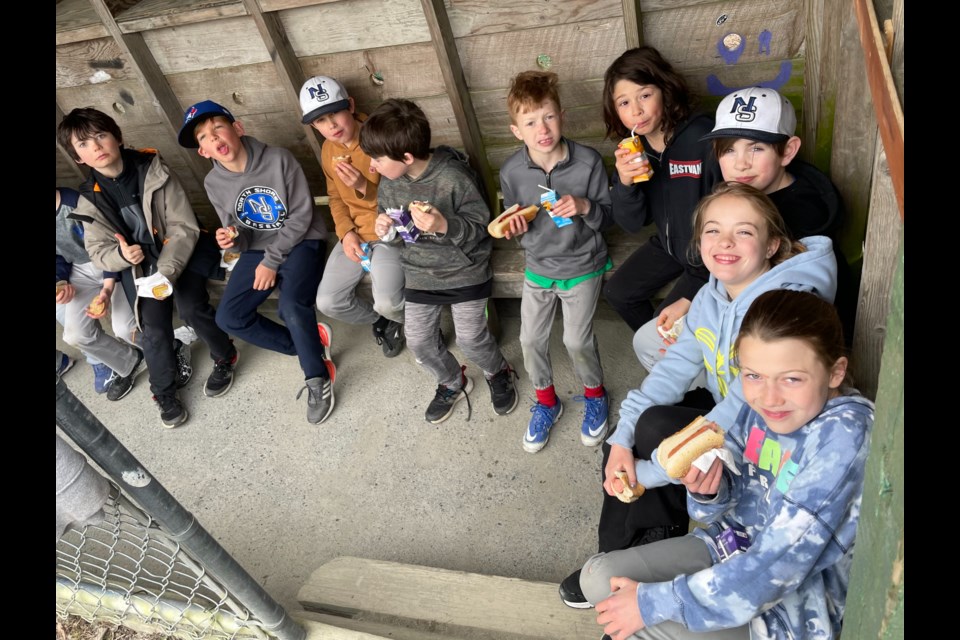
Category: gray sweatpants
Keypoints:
(422, 328)
(86, 334)
(337, 294)
(538, 306)
(655, 562)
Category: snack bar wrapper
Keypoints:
(403, 223)
(156, 286)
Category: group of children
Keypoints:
(757, 352)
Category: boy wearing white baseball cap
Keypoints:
(352, 189)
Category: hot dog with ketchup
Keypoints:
(501, 224)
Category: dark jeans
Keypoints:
(298, 279)
(621, 524)
(156, 320)
(638, 279)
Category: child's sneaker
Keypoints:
(221, 378)
(503, 391)
(119, 386)
(101, 377)
(184, 366)
(594, 426)
(326, 339)
(446, 399)
(172, 412)
(391, 338)
(66, 363)
(320, 399)
(538, 431)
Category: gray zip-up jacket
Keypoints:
(461, 256)
(576, 249)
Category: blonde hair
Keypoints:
(776, 229)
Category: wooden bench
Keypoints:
(410, 602)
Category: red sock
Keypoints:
(593, 392)
(547, 397)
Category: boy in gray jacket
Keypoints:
(261, 196)
(566, 254)
(449, 263)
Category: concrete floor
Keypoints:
(376, 480)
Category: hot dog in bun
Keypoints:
(628, 494)
(501, 224)
(677, 453)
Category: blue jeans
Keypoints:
(298, 279)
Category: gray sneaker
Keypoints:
(184, 366)
(446, 399)
(320, 399)
(119, 386)
(391, 338)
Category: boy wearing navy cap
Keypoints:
(352, 189)
(261, 196)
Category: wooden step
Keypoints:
(454, 604)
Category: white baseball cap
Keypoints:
(320, 95)
(755, 113)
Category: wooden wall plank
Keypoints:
(823, 23)
(478, 17)
(91, 62)
(156, 14)
(331, 28)
(881, 245)
(279, 5)
(77, 21)
(126, 101)
(573, 95)
(688, 36)
(210, 45)
(632, 23)
(251, 88)
(579, 51)
(408, 71)
(854, 130)
(650, 6)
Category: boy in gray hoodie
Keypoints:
(261, 196)
(449, 263)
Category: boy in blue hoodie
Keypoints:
(774, 560)
(566, 254)
(449, 264)
(261, 196)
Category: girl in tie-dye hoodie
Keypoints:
(792, 499)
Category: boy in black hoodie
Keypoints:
(138, 222)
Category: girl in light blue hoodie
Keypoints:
(774, 558)
(742, 241)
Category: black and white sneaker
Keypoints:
(390, 338)
(221, 378)
(503, 391)
(571, 594)
(184, 368)
(172, 412)
(320, 399)
(119, 386)
(446, 399)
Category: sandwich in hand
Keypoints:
(677, 453)
(628, 494)
(501, 224)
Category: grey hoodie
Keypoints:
(461, 256)
(269, 203)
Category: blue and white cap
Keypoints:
(321, 95)
(755, 113)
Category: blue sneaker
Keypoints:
(538, 431)
(594, 426)
(101, 376)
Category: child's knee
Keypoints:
(328, 304)
(595, 578)
(81, 336)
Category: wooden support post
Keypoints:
(153, 80)
(449, 58)
(284, 61)
(632, 23)
(823, 20)
(66, 154)
(886, 105)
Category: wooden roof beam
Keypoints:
(632, 23)
(284, 61)
(148, 71)
(449, 58)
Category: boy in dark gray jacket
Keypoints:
(566, 254)
(450, 261)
